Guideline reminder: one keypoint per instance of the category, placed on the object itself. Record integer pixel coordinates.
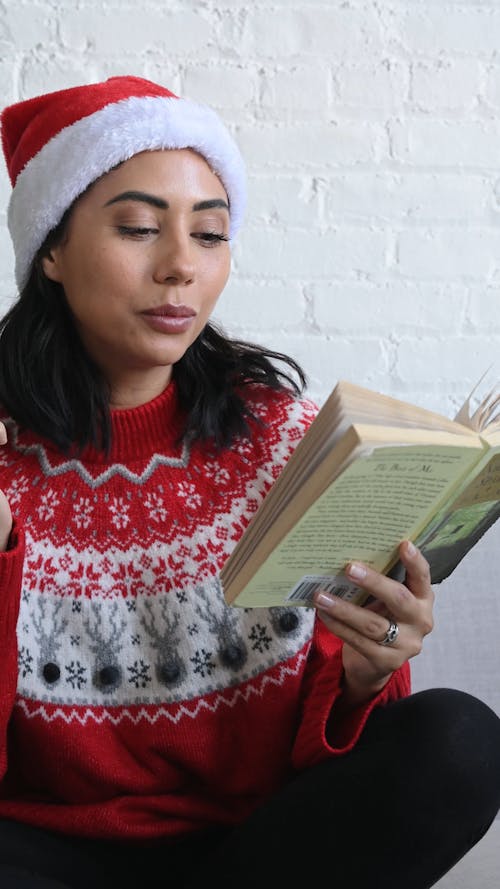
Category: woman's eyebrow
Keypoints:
(155, 201)
(209, 205)
(141, 196)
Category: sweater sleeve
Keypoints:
(11, 570)
(322, 689)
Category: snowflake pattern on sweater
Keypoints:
(121, 603)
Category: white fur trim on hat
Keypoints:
(79, 154)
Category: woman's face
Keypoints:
(144, 260)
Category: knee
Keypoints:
(463, 739)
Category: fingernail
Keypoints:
(323, 600)
(411, 549)
(356, 571)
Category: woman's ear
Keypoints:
(50, 266)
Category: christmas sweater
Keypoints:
(134, 703)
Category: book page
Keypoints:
(379, 500)
(285, 504)
(362, 405)
(481, 409)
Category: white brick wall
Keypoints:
(371, 130)
(372, 136)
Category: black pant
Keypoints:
(420, 788)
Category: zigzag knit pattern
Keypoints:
(134, 703)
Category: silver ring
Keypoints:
(391, 635)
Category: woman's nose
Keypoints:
(174, 262)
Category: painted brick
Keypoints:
(113, 30)
(446, 84)
(492, 88)
(290, 200)
(6, 259)
(203, 84)
(418, 196)
(444, 29)
(298, 93)
(344, 143)
(446, 143)
(245, 302)
(309, 255)
(454, 362)
(362, 308)
(27, 28)
(5, 192)
(449, 253)
(39, 76)
(484, 309)
(341, 31)
(388, 80)
(7, 81)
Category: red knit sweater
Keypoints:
(133, 702)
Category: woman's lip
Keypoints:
(170, 311)
(169, 323)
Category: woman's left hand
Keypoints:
(368, 663)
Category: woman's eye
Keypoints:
(133, 231)
(211, 237)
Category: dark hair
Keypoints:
(49, 383)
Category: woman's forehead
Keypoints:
(172, 169)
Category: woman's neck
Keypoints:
(136, 388)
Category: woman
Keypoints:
(145, 726)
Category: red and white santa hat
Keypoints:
(57, 144)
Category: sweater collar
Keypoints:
(146, 429)
(137, 433)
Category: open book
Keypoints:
(370, 472)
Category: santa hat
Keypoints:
(57, 144)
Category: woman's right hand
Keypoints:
(5, 513)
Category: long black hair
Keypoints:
(50, 384)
